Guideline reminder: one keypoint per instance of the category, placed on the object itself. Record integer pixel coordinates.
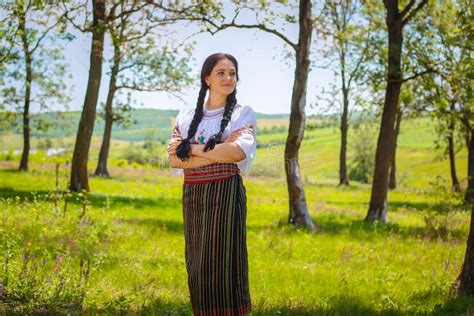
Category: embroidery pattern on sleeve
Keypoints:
(176, 133)
(201, 136)
(248, 128)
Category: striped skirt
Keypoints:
(214, 213)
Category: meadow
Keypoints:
(120, 248)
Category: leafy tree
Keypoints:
(139, 64)
(451, 95)
(396, 20)
(450, 88)
(414, 62)
(31, 58)
(348, 34)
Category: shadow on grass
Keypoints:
(157, 307)
(392, 206)
(342, 305)
(456, 307)
(395, 205)
(12, 170)
(461, 305)
(346, 310)
(326, 224)
(96, 200)
(169, 226)
(362, 230)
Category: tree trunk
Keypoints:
(299, 214)
(29, 78)
(392, 184)
(469, 197)
(101, 169)
(466, 277)
(343, 177)
(79, 174)
(386, 139)
(26, 119)
(392, 180)
(452, 165)
(452, 158)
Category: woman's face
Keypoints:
(223, 77)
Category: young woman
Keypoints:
(213, 143)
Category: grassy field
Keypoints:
(120, 248)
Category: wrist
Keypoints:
(195, 149)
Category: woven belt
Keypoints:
(214, 172)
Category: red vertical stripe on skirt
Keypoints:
(215, 246)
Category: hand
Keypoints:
(233, 136)
(171, 149)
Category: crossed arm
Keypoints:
(226, 152)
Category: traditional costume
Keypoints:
(214, 213)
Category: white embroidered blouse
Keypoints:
(243, 118)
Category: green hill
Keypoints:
(146, 123)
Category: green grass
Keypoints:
(133, 236)
(130, 238)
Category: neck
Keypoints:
(216, 101)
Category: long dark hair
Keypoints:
(184, 148)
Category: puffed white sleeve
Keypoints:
(247, 141)
(177, 135)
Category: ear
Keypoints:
(207, 80)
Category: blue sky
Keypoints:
(266, 78)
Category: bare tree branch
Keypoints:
(6, 55)
(223, 26)
(427, 71)
(407, 8)
(44, 35)
(362, 57)
(263, 28)
(414, 11)
(159, 4)
(82, 29)
(187, 38)
(142, 88)
(128, 12)
(177, 95)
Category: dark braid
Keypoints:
(229, 108)
(183, 149)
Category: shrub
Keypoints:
(9, 156)
(134, 155)
(443, 207)
(45, 144)
(120, 163)
(364, 159)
